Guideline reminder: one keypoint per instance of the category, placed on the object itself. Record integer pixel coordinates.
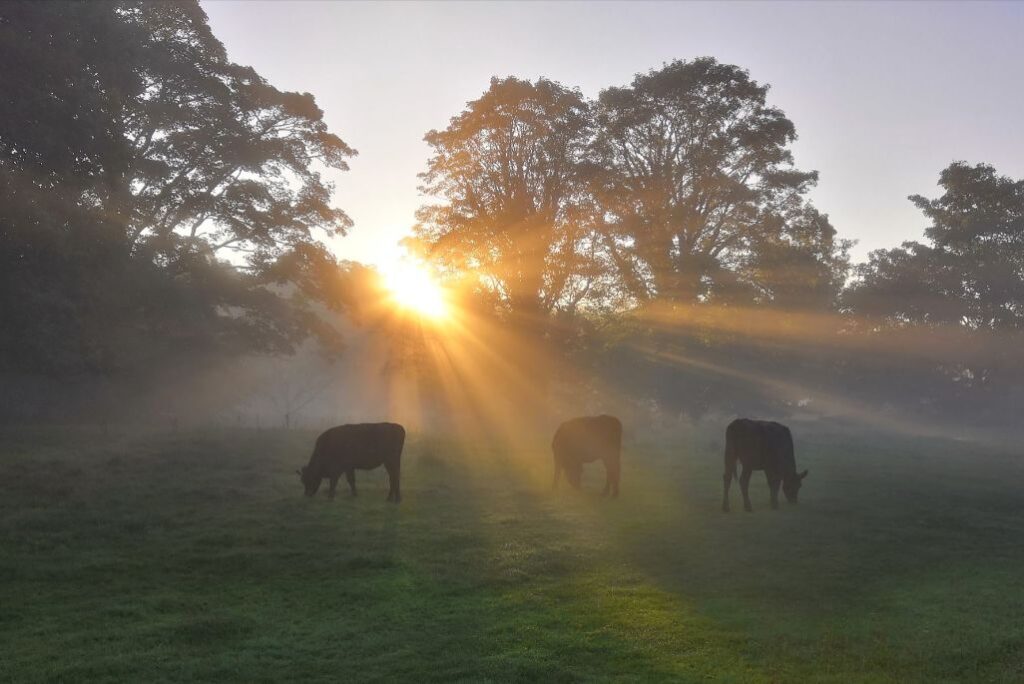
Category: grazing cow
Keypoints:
(761, 445)
(347, 448)
(584, 440)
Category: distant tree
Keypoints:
(698, 194)
(507, 174)
(960, 297)
(971, 273)
(133, 157)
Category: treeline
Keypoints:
(661, 235)
(678, 188)
(162, 209)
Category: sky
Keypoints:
(884, 95)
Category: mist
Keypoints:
(624, 399)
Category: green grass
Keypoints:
(195, 557)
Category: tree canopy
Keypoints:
(152, 192)
(972, 271)
(698, 194)
(677, 188)
(507, 172)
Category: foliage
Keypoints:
(679, 188)
(698, 194)
(133, 155)
(972, 273)
(969, 279)
(508, 169)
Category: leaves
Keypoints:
(509, 172)
(973, 272)
(695, 177)
(134, 157)
(670, 188)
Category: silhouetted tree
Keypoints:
(972, 273)
(507, 172)
(133, 154)
(698, 194)
(220, 158)
(966, 287)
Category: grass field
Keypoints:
(194, 556)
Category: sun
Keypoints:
(415, 289)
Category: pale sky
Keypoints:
(883, 95)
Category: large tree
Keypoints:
(506, 177)
(218, 154)
(698, 194)
(133, 155)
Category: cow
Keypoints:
(761, 445)
(584, 440)
(347, 448)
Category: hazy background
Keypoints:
(188, 262)
(882, 94)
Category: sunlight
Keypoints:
(413, 287)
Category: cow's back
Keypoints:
(360, 445)
(759, 443)
(779, 443)
(588, 438)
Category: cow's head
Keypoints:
(309, 481)
(791, 487)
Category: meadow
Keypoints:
(193, 556)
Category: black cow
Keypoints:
(761, 445)
(584, 440)
(347, 448)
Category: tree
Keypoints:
(697, 191)
(959, 298)
(972, 273)
(133, 156)
(220, 158)
(508, 174)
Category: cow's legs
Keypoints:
(607, 477)
(614, 471)
(394, 471)
(744, 487)
(576, 481)
(334, 485)
(558, 476)
(726, 481)
(350, 475)
(773, 486)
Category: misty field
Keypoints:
(194, 556)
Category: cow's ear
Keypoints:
(803, 474)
